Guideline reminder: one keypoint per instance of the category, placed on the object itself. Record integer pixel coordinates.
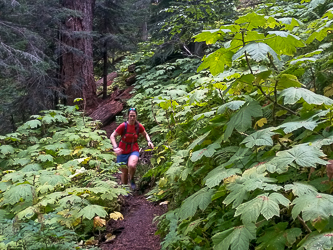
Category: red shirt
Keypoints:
(129, 137)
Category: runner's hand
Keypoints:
(150, 144)
(118, 151)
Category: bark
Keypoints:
(77, 53)
(105, 71)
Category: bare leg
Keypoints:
(132, 161)
(124, 175)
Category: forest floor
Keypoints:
(137, 230)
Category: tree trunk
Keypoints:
(77, 53)
(105, 71)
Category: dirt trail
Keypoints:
(137, 230)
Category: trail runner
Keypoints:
(128, 149)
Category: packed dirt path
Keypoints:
(137, 230)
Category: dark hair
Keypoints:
(132, 109)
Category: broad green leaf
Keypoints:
(200, 199)
(91, 211)
(19, 193)
(198, 95)
(287, 81)
(217, 61)
(31, 167)
(211, 36)
(6, 149)
(302, 154)
(260, 138)
(257, 51)
(233, 105)
(300, 189)
(278, 237)
(293, 95)
(64, 152)
(33, 123)
(251, 180)
(26, 213)
(4, 186)
(267, 205)
(70, 200)
(16, 176)
(242, 120)
(283, 42)
(292, 126)
(316, 241)
(237, 238)
(252, 20)
(22, 161)
(44, 158)
(206, 114)
(208, 152)
(52, 179)
(215, 176)
(313, 206)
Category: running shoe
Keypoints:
(132, 183)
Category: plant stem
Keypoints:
(152, 110)
(247, 59)
(269, 98)
(314, 80)
(304, 224)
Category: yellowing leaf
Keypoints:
(109, 237)
(260, 123)
(98, 222)
(160, 192)
(230, 179)
(328, 91)
(281, 113)
(116, 216)
(77, 149)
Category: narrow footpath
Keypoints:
(137, 230)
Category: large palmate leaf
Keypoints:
(304, 155)
(19, 193)
(233, 105)
(260, 138)
(208, 152)
(215, 176)
(33, 123)
(235, 238)
(217, 61)
(251, 180)
(278, 237)
(17, 176)
(52, 179)
(292, 95)
(6, 149)
(252, 20)
(257, 51)
(44, 158)
(242, 120)
(211, 36)
(292, 126)
(267, 205)
(91, 211)
(283, 42)
(300, 189)
(198, 140)
(316, 241)
(200, 199)
(313, 206)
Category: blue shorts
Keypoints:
(124, 157)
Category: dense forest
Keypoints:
(236, 96)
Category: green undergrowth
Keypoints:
(243, 136)
(56, 187)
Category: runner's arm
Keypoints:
(114, 143)
(145, 134)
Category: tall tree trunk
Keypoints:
(77, 53)
(105, 71)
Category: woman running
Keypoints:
(128, 150)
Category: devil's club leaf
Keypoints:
(33, 123)
(241, 121)
(208, 152)
(257, 51)
(233, 105)
(215, 176)
(44, 158)
(18, 193)
(300, 189)
(316, 241)
(91, 211)
(6, 149)
(267, 205)
(217, 61)
(237, 238)
(259, 138)
(198, 140)
(313, 206)
(200, 199)
(292, 126)
(283, 42)
(303, 155)
(52, 179)
(211, 36)
(292, 95)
